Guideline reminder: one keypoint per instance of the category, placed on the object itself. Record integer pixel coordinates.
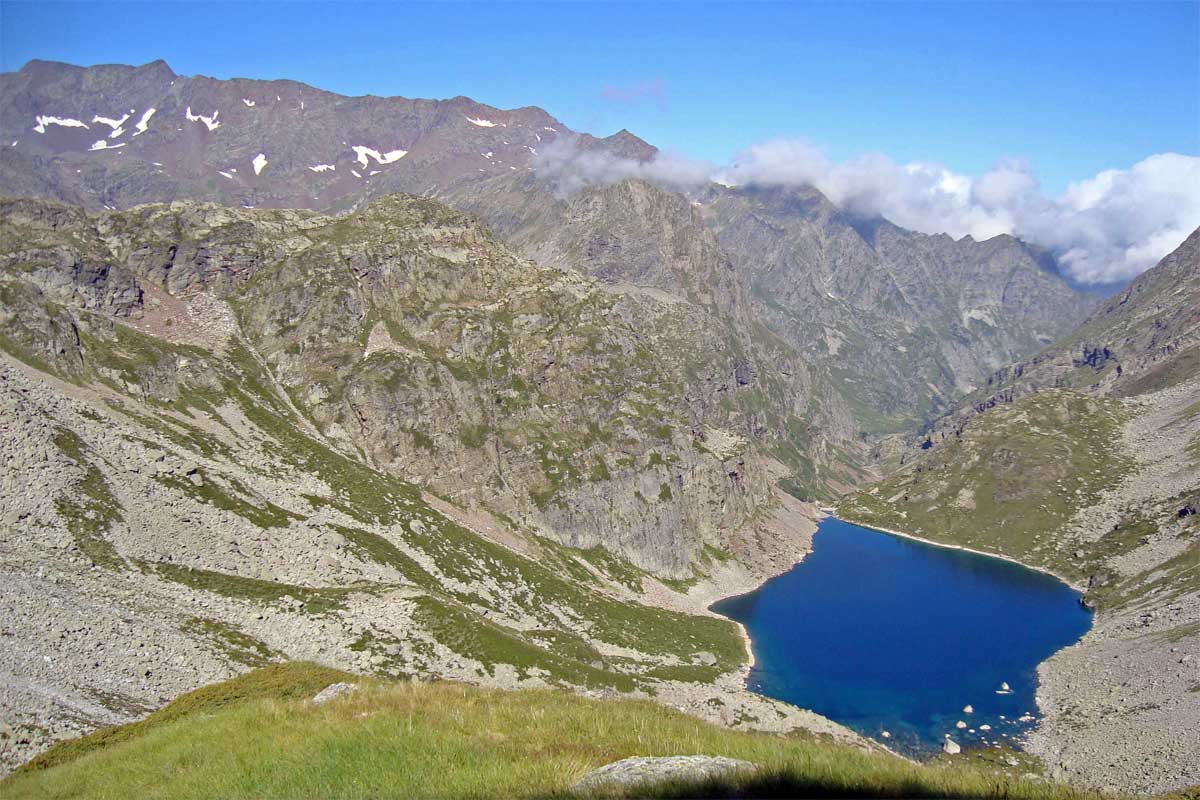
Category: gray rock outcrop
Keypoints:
(630, 772)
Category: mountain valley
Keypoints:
(363, 381)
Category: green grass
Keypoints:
(316, 600)
(492, 644)
(1009, 482)
(278, 681)
(373, 547)
(268, 515)
(256, 737)
(239, 647)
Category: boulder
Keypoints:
(951, 746)
(632, 771)
(332, 691)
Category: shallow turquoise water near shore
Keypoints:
(883, 633)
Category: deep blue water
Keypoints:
(883, 633)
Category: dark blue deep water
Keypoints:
(882, 633)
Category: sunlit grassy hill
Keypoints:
(258, 736)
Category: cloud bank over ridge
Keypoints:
(1110, 227)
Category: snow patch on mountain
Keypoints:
(209, 122)
(483, 123)
(323, 168)
(65, 122)
(226, 174)
(249, 103)
(103, 144)
(364, 153)
(143, 124)
(115, 124)
(259, 162)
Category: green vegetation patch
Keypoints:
(1014, 476)
(291, 681)
(268, 515)
(459, 554)
(491, 644)
(316, 601)
(92, 510)
(240, 647)
(373, 547)
(614, 568)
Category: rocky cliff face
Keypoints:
(410, 339)
(1143, 338)
(906, 322)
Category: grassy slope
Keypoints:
(254, 737)
(1014, 476)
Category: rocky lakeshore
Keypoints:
(1121, 709)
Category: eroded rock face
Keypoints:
(649, 424)
(908, 321)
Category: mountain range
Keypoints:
(364, 380)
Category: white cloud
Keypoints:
(571, 167)
(1107, 228)
(1121, 222)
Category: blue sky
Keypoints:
(1074, 88)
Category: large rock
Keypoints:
(333, 691)
(631, 771)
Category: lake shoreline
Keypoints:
(718, 591)
(1080, 588)
(793, 523)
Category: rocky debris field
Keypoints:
(125, 584)
(1121, 709)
